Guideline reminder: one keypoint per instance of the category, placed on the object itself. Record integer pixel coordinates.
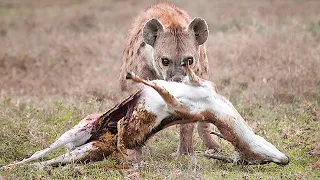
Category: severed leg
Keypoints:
(80, 153)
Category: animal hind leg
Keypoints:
(62, 140)
(83, 152)
(76, 136)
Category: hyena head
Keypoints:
(171, 46)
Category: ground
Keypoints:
(60, 60)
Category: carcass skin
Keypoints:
(205, 104)
(158, 105)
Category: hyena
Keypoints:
(159, 39)
(158, 105)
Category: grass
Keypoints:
(26, 128)
(59, 61)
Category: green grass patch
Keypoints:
(26, 128)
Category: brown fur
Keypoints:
(106, 145)
(138, 127)
(132, 132)
(176, 42)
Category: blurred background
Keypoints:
(258, 50)
(60, 60)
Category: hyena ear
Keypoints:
(151, 31)
(199, 28)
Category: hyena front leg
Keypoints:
(186, 140)
(204, 128)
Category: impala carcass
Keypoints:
(160, 104)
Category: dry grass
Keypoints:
(61, 59)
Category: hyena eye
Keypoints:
(190, 60)
(165, 61)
